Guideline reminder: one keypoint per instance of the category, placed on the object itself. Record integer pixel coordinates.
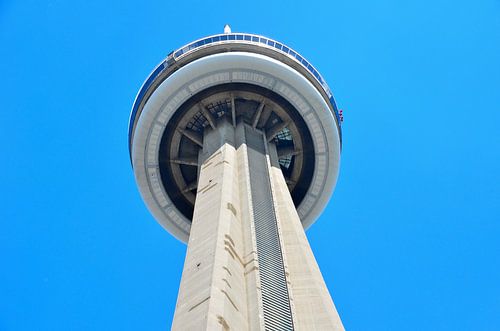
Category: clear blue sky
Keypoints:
(410, 239)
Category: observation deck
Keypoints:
(241, 78)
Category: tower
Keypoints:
(235, 144)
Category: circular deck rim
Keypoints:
(332, 153)
(174, 60)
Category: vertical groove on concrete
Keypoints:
(275, 297)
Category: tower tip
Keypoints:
(227, 28)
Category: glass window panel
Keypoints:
(332, 100)
(232, 37)
(255, 39)
(278, 45)
(223, 37)
(263, 40)
(286, 49)
(270, 43)
(239, 37)
(249, 38)
(216, 38)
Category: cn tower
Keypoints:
(235, 144)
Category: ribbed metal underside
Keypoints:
(275, 298)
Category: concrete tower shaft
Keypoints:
(248, 265)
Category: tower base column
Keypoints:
(212, 294)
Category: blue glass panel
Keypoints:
(249, 38)
(292, 53)
(332, 101)
(286, 49)
(216, 38)
(263, 40)
(270, 43)
(142, 92)
(232, 37)
(255, 39)
(278, 45)
(239, 37)
(223, 37)
(178, 53)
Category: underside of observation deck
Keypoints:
(243, 82)
(261, 109)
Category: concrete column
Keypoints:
(242, 197)
(252, 278)
(212, 294)
(312, 303)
